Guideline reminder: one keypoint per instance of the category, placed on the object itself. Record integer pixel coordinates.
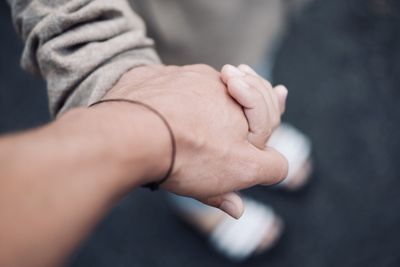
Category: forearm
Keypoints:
(80, 47)
(59, 180)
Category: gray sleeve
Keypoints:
(80, 47)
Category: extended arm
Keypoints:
(56, 182)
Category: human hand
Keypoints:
(263, 105)
(214, 157)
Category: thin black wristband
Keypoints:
(154, 185)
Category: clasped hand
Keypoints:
(221, 122)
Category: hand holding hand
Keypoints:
(214, 156)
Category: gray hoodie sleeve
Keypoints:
(80, 47)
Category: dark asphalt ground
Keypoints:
(341, 62)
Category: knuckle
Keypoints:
(202, 68)
(267, 83)
(172, 68)
(264, 132)
(256, 95)
(261, 82)
(253, 80)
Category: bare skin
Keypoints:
(59, 180)
(263, 106)
(241, 81)
(212, 91)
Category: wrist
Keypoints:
(133, 143)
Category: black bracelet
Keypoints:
(154, 185)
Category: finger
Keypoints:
(266, 167)
(229, 71)
(278, 97)
(230, 203)
(281, 93)
(263, 85)
(248, 70)
(250, 166)
(273, 113)
(255, 109)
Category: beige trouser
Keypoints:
(215, 32)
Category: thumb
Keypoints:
(230, 203)
(266, 167)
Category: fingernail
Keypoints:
(230, 208)
(233, 71)
(285, 93)
(282, 90)
(240, 84)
